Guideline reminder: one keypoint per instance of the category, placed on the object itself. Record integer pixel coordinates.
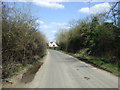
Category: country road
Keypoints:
(64, 71)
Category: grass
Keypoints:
(17, 67)
(28, 72)
(99, 62)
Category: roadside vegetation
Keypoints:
(22, 43)
(92, 40)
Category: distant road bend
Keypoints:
(64, 71)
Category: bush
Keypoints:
(101, 39)
(21, 41)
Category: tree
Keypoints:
(21, 40)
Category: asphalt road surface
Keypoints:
(64, 71)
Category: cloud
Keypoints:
(39, 22)
(67, 28)
(45, 26)
(48, 4)
(96, 9)
(55, 4)
(58, 0)
(102, 0)
(84, 10)
(51, 25)
(57, 24)
(61, 0)
(54, 31)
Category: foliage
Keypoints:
(101, 38)
(21, 41)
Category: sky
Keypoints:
(52, 19)
(51, 16)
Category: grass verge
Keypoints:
(28, 71)
(98, 62)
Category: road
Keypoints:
(64, 71)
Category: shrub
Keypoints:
(21, 41)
